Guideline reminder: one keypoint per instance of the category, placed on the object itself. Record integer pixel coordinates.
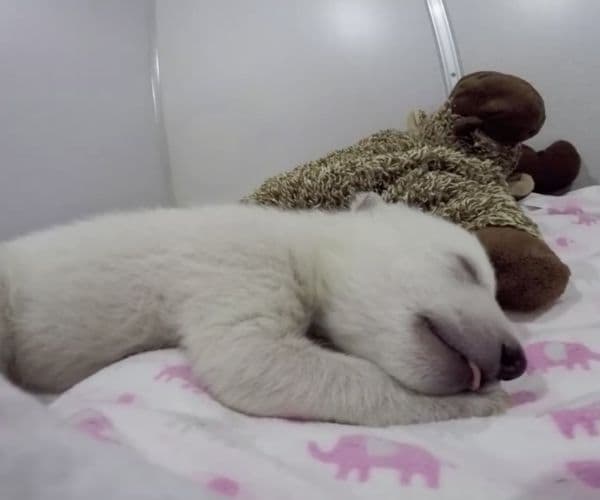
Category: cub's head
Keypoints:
(415, 295)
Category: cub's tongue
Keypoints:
(476, 383)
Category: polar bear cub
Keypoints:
(403, 301)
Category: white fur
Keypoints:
(239, 286)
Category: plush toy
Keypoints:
(454, 163)
(551, 170)
(509, 110)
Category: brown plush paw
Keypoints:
(530, 276)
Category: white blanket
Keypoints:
(41, 458)
(547, 447)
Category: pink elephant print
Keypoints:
(542, 356)
(183, 373)
(587, 471)
(362, 453)
(574, 209)
(96, 425)
(224, 486)
(563, 242)
(585, 416)
(126, 398)
(522, 397)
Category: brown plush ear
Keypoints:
(561, 164)
(552, 169)
(466, 124)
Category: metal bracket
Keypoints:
(452, 71)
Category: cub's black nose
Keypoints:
(512, 362)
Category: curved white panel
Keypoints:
(253, 88)
(77, 128)
(553, 44)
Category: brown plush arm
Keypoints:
(530, 275)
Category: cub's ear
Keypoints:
(366, 201)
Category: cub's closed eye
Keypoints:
(468, 268)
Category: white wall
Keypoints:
(251, 88)
(77, 129)
(552, 43)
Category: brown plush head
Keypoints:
(506, 108)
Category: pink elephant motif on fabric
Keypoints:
(96, 425)
(224, 486)
(183, 373)
(563, 242)
(362, 453)
(522, 397)
(126, 398)
(574, 209)
(587, 471)
(585, 416)
(542, 356)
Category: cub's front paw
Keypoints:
(485, 403)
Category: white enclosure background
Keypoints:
(253, 88)
(77, 128)
(555, 45)
(248, 89)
